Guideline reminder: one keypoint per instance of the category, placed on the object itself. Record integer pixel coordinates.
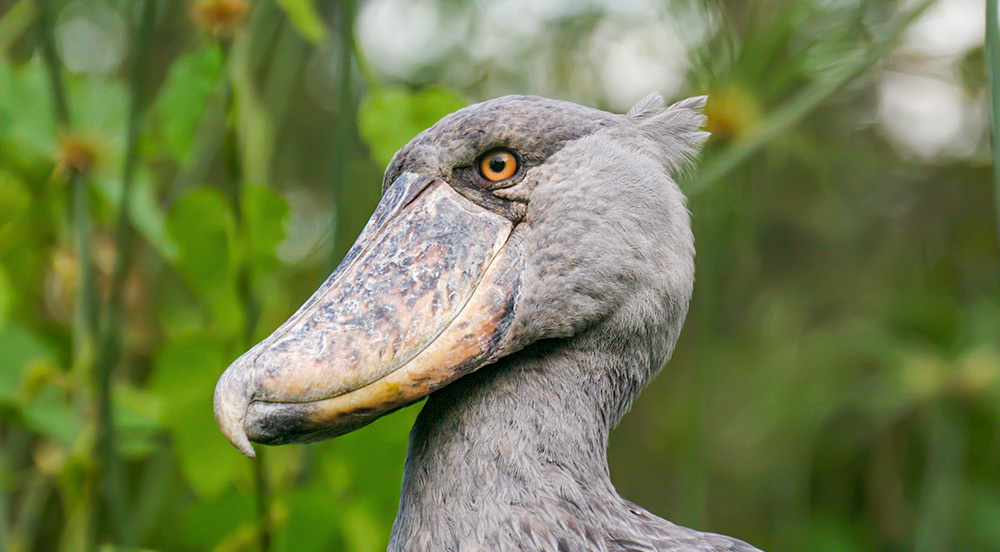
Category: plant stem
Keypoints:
(265, 528)
(80, 530)
(157, 482)
(255, 134)
(51, 60)
(345, 131)
(993, 74)
(258, 465)
(941, 486)
(15, 22)
(85, 320)
(109, 348)
(4, 500)
(801, 105)
(207, 142)
(24, 531)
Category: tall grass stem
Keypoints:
(81, 531)
(345, 131)
(993, 75)
(109, 347)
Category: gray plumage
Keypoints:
(513, 456)
(530, 309)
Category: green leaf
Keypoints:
(50, 413)
(137, 416)
(186, 370)
(6, 297)
(98, 108)
(26, 115)
(255, 127)
(368, 463)
(190, 84)
(363, 530)
(20, 349)
(149, 218)
(184, 380)
(201, 526)
(305, 18)
(18, 20)
(15, 210)
(264, 215)
(209, 463)
(390, 117)
(203, 226)
(310, 524)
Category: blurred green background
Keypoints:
(176, 178)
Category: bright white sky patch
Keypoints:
(948, 28)
(929, 116)
(399, 36)
(505, 26)
(90, 38)
(636, 60)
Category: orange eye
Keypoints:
(498, 165)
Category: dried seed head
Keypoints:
(732, 113)
(76, 153)
(221, 18)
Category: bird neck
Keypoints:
(517, 445)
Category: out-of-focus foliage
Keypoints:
(390, 117)
(837, 386)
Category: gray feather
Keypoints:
(675, 130)
(513, 457)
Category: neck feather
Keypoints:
(517, 450)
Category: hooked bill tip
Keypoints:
(233, 430)
(239, 440)
(231, 405)
(244, 446)
(235, 434)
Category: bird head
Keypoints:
(508, 222)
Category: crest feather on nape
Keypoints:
(675, 131)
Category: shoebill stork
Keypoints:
(528, 270)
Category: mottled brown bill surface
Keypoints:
(423, 297)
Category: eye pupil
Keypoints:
(498, 163)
